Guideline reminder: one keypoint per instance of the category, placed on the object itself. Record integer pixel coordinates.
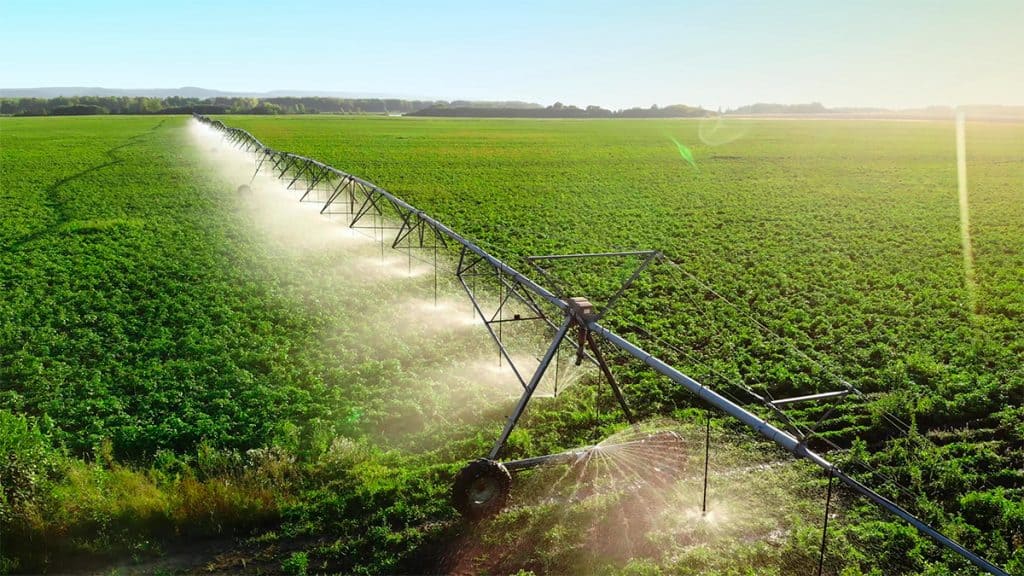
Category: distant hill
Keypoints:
(995, 112)
(71, 91)
(766, 108)
(818, 110)
(183, 92)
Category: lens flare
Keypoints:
(685, 152)
(719, 131)
(965, 218)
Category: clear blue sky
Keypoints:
(895, 53)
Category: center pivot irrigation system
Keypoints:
(483, 485)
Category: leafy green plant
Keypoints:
(296, 565)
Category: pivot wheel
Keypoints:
(481, 488)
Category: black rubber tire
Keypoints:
(481, 489)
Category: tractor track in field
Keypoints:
(58, 206)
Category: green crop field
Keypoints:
(182, 375)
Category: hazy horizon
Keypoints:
(715, 55)
(47, 92)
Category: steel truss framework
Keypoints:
(368, 206)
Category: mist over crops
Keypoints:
(386, 301)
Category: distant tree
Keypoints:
(243, 105)
(79, 110)
(32, 107)
(150, 105)
(267, 108)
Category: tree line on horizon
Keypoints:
(95, 105)
(559, 110)
(90, 105)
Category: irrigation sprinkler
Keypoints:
(482, 486)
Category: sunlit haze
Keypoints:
(614, 54)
